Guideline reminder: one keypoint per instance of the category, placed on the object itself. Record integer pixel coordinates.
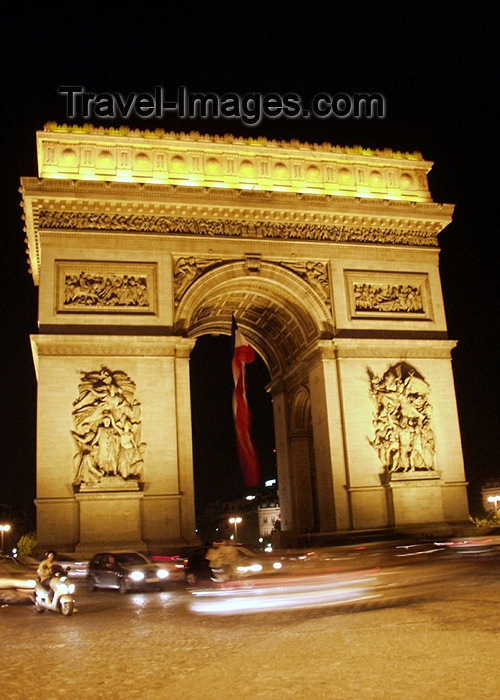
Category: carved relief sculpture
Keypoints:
(315, 274)
(388, 298)
(187, 270)
(404, 440)
(106, 287)
(88, 289)
(107, 428)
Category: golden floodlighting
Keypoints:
(228, 162)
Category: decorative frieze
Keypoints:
(232, 228)
(388, 298)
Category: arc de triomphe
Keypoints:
(140, 242)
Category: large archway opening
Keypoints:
(217, 474)
(283, 319)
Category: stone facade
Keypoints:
(328, 257)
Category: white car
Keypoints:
(78, 567)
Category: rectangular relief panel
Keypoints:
(388, 295)
(106, 287)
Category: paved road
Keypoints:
(444, 645)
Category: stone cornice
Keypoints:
(339, 349)
(385, 348)
(118, 346)
(130, 196)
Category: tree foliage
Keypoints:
(26, 544)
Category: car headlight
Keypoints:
(137, 575)
(162, 573)
(254, 568)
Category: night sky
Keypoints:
(432, 62)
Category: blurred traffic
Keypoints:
(17, 581)
(372, 574)
(225, 578)
(488, 543)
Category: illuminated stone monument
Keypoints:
(141, 242)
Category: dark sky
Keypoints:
(434, 64)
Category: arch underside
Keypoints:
(279, 315)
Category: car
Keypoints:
(125, 571)
(17, 581)
(77, 566)
(173, 563)
(230, 562)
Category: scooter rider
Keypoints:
(47, 568)
(53, 591)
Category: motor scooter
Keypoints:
(59, 597)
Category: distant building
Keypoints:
(490, 493)
(260, 515)
(269, 515)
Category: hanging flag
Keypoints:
(243, 354)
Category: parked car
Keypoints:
(125, 571)
(17, 581)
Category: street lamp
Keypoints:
(4, 528)
(235, 521)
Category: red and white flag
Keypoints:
(243, 354)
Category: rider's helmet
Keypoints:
(49, 552)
